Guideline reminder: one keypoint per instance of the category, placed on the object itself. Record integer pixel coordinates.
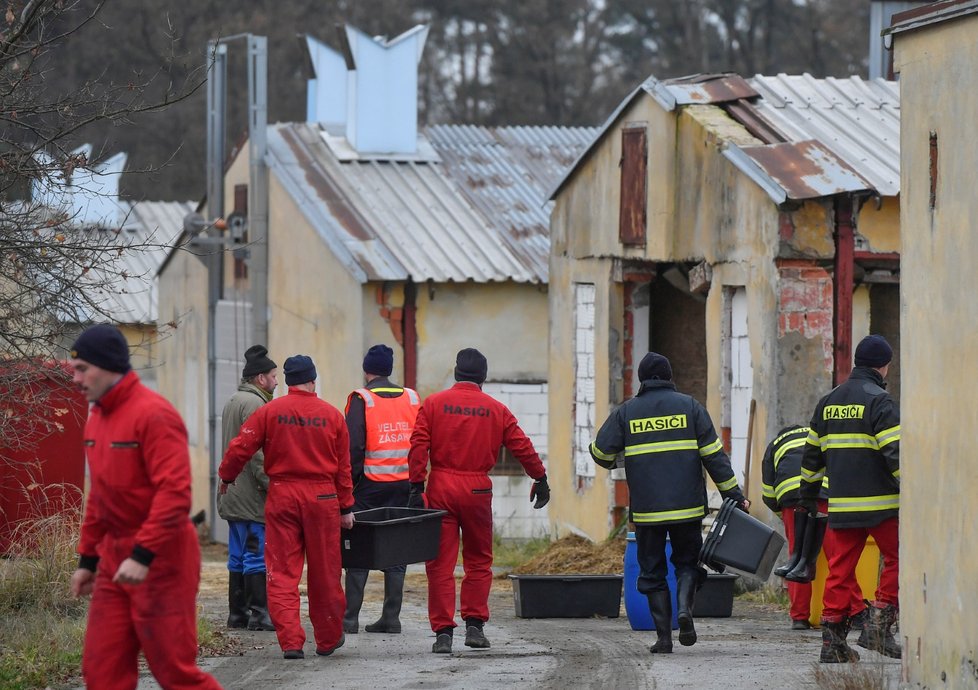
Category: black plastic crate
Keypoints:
(715, 598)
(385, 537)
(567, 596)
(740, 541)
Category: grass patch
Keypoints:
(510, 553)
(858, 676)
(769, 595)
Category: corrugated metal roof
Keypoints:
(935, 13)
(857, 119)
(804, 170)
(480, 214)
(127, 289)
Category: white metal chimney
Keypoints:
(382, 93)
(880, 17)
(326, 101)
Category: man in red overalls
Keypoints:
(139, 555)
(310, 497)
(460, 431)
(380, 417)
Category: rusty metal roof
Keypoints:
(855, 122)
(856, 119)
(934, 13)
(803, 170)
(477, 213)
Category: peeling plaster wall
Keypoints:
(182, 374)
(880, 227)
(939, 355)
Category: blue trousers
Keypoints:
(246, 547)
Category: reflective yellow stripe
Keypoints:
(896, 475)
(710, 449)
(796, 443)
(667, 515)
(888, 435)
(386, 390)
(812, 477)
(660, 447)
(767, 491)
(836, 441)
(786, 486)
(862, 504)
(599, 455)
(727, 485)
(812, 439)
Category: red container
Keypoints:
(42, 460)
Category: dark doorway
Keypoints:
(884, 319)
(677, 329)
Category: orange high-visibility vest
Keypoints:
(389, 423)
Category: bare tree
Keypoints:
(58, 258)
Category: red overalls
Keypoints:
(460, 430)
(138, 506)
(307, 460)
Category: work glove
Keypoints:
(416, 495)
(808, 505)
(541, 492)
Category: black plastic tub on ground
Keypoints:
(715, 598)
(567, 596)
(385, 537)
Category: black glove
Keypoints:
(808, 505)
(541, 492)
(416, 495)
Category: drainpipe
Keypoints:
(844, 285)
(409, 328)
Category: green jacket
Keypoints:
(245, 499)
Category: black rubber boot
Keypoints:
(443, 642)
(474, 636)
(257, 602)
(356, 580)
(660, 605)
(800, 522)
(858, 622)
(389, 621)
(685, 595)
(237, 601)
(330, 650)
(804, 570)
(835, 649)
(876, 634)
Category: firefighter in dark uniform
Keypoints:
(780, 482)
(854, 442)
(667, 439)
(380, 417)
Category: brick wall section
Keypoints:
(805, 304)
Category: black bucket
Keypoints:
(739, 541)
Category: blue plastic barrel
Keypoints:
(636, 603)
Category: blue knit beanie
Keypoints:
(471, 365)
(379, 361)
(104, 346)
(873, 351)
(299, 369)
(654, 366)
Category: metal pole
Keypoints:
(216, 114)
(258, 185)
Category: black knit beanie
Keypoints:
(257, 362)
(471, 365)
(873, 351)
(104, 346)
(299, 369)
(654, 366)
(379, 361)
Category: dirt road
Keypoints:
(752, 649)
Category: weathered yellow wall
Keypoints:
(938, 539)
(507, 322)
(880, 227)
(182, 374)
(315, 303)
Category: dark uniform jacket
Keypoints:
(854, 444)
(667, 438)
(781, 469)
